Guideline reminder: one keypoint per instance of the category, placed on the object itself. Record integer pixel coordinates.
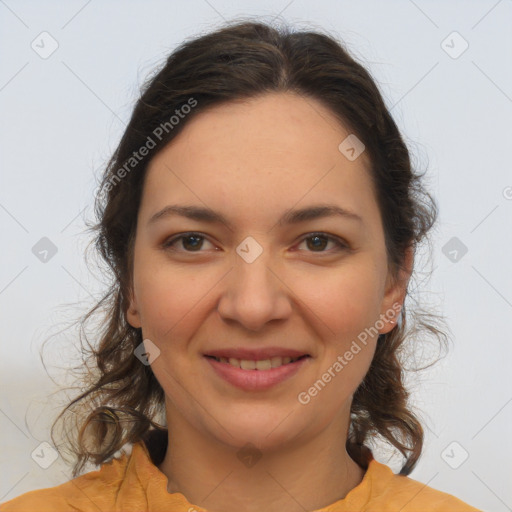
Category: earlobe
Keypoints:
(132, 314)
(395, 293)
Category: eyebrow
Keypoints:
(201, 214)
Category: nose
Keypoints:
(254, 294)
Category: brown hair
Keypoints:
(122, 400)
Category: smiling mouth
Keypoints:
(260, 365)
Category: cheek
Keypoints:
(168, 297)
(344, 301)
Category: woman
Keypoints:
(260, 217)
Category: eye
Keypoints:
(320, 240)
(191, 242)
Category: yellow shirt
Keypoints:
(134, 483)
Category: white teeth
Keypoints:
(276, 361)
(264, 364)
(247, 365)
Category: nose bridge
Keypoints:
(253, 294)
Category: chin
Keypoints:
(266, 429)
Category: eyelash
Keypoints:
(340, 244)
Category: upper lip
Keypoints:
(256, 354)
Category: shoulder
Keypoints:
(393, 492)
(96, 490)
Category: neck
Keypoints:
(307, 475)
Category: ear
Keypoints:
(394, 295)
(132, 314)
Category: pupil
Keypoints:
(317, 238)
(192, 237)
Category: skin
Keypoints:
(252, 161)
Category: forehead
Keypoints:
(264, 154)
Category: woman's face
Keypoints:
(254, 287)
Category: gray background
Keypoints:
(63, 115)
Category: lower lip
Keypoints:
(256, 380)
